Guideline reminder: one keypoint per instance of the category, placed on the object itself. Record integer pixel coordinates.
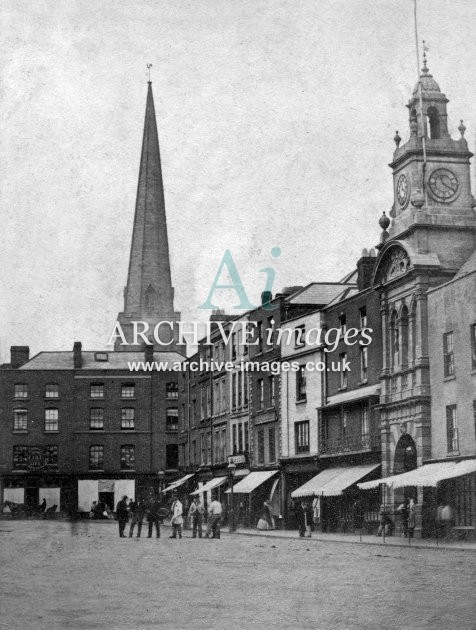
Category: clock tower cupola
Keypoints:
(431, 176)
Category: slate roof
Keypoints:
(116, 360)
(319, 293)
(468, 267)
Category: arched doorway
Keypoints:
(405, 458)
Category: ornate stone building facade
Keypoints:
(431, 236)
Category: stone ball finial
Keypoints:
(397, 139)
(384, 221)
(462, 128)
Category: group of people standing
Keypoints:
(154, 513)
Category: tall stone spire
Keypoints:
(149, 295)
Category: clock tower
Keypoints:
(433, 206)
(430, 237)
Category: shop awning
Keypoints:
(177, 483)
(352, 396)
(213, 483)
(333, 481)
(252, 481)
(428, 475)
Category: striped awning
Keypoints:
(428, 475)
(252, 481)
(333, 481)
(177, 483)
(213, 483)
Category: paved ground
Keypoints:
(50, 579)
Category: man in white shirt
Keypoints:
(177, 519)
(214, 519)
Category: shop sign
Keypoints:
(237, 459)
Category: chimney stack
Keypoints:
(77, 356)
(365, 269)
(19, 355)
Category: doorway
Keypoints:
(107, 498)
(32, 497)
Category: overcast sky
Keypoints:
(276, 121)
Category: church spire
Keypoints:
(149, 295)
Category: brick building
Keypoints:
(80, 426)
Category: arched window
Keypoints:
(150, 299)
(433, 123)
(404, 335)
(405, 458)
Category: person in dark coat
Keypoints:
(404, 512)
(137, 511)
(299, 510)
(153, 516)
(122, 515)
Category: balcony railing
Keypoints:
(349, 444)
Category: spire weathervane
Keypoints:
(149, 66)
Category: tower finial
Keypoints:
(149, 66)
(425, 50)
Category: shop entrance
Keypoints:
(32, 497)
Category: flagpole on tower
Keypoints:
(422, 123)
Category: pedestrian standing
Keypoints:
(300, 517)
(153, 516)
(195, 514)
(403, 510)
(122, 515)
(177, 518)
(214, 519)
(137, 512)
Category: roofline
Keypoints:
(351, 297)
(454, 279)
(293, 319)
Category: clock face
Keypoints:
(403, 190)
(443, 184)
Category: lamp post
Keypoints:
(231, 474)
